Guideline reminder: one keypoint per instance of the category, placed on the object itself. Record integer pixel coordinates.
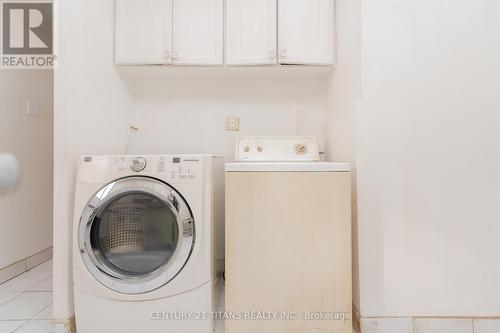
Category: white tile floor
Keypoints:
(26, 302)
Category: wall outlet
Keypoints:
(232, 124)
(33, 108)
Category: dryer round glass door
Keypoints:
(136, 234)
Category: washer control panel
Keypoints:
(274, 149)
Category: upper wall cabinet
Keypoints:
(198, 30)
(179, 32)
(306, 32)
(251, 32)
(143, 32)
(258, 32)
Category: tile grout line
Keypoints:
(19, 293)
(19, 327)
(26, 321)
(13, 298)
(24, 263)
(11, 292)
(36, 314)
(50, 277)
(473, 320)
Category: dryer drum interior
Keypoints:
(135, 230)
(136, 234)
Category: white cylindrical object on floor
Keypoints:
(9, 171)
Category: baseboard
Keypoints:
(66, 326)
(356, 320)
(429, 324)
(18, 268)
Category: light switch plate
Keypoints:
(232, 124)
(33, 108)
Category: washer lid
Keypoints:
(287, 167)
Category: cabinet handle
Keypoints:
(282, 53)
(174, 55)
(272, 55)
(166, 54)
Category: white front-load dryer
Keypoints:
(144, 243)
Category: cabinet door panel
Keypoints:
(143, 31)
(288, 248)
(251, 32)
(306, 31)
(198, 30)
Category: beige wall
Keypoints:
(26, 214)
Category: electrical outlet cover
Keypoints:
(33, 108)
(232, 124)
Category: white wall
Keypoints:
(95, 103)
(426, 144)
(429, 158)
(26, 214)
(91, 116)
(188, 116)
(343, 90)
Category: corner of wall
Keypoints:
(342, 96)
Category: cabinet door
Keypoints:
(288, 247)
(198, 31)
(306, 31)
(143, 32)
(251, 32)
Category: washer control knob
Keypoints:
(260, 149)
(246, 149)
(301, 149)
(138, 164)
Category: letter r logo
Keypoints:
(27, 27)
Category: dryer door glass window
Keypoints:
(135, 234)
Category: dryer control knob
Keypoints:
(138, 164)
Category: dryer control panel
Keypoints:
(173, 166)
(170, 168)
(277, 149)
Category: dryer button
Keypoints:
(183, 172)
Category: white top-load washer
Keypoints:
(288, 238)
(144, 243)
